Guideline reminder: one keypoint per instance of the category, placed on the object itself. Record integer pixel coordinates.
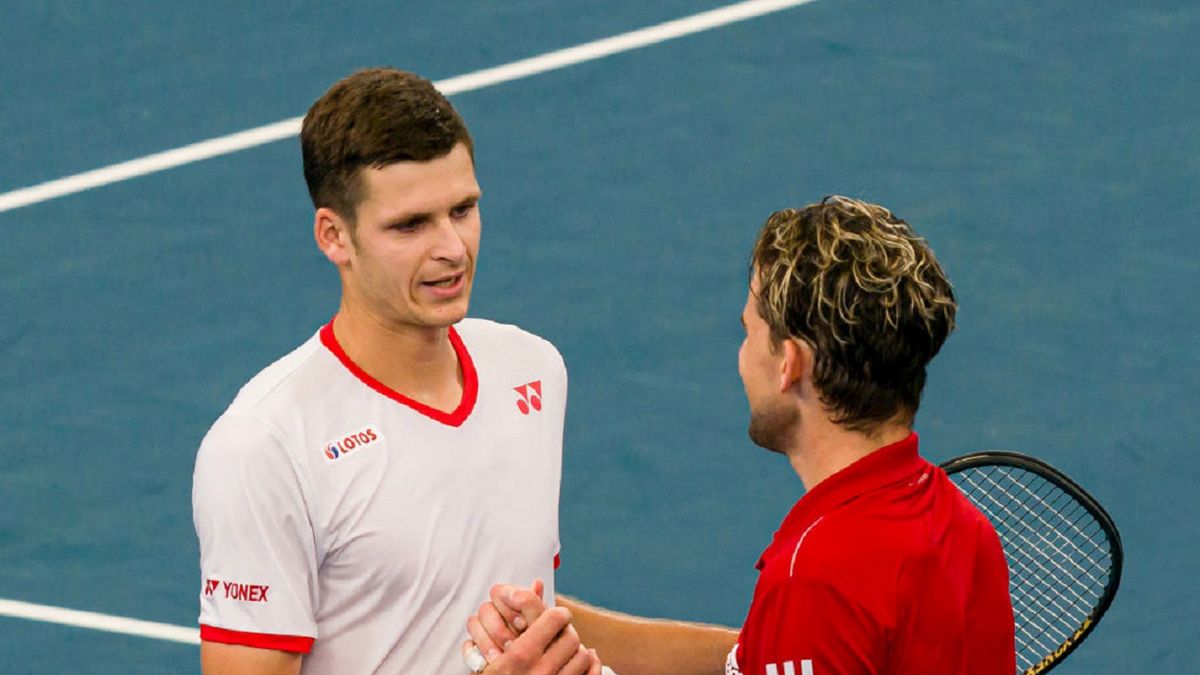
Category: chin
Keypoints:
(450, 315)
(770, 428)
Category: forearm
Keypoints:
(633, 645)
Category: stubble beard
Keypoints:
(771, 426)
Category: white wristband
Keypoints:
(605, 670)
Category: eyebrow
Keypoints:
(415, 217)
(405, 219)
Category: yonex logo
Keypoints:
(530, 396)
(244, 592)
(232, 590)
(350, 442)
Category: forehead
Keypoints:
(754, 287)
(751, 315)
(750, 310)
(416, 187)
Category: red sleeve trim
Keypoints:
(284, 643)
(557, 561)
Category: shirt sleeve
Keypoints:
(258, 561)
(809, 626)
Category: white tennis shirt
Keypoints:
(338, 518)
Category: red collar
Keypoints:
(453, 418)
(885, 466)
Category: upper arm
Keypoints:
(807, 619)
(990, 612)
(222, 659)
(258, 557)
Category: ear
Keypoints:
(332, 234)
(796, 363)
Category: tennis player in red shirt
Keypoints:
(883, 566)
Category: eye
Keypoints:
(409, 225)
(462, 210)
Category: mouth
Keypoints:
(445, 282)
(446, 286)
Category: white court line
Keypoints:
(250, 138)
(95, 621)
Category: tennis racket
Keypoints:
(1064, 552)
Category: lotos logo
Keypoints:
(351, 442)
(530, 396)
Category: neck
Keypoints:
(824, 448)
(416, 361)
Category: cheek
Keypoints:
(473, 246)
(469, 234)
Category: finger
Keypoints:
(499, 595)
(539, 588)
(490, 650)
(529, 604)
(579, 664)
(519, 606)
(596, 668)
(563, 650)
(544, 630)
(544, 648)
(493, 622)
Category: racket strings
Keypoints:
(1059, 555)
(1070, 518)
(1049, 568)
(1008, 510)
(1037, 506)
(1044, 570)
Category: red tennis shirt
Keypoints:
(884, 567)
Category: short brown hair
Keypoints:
(373, 118)
(866, 293)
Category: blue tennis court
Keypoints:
(1048, 151)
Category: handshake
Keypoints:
(514, 633)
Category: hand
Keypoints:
(550, 646)
(509, 612)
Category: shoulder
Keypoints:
(260, 421)
(864, 546)
(488, 338)
(277, 377)
(843, 543)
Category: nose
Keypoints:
(450, 245)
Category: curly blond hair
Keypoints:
(866, 293)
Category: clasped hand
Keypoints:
(518, 635)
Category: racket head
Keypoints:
(1030, 502)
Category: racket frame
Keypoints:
(1005, 458)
